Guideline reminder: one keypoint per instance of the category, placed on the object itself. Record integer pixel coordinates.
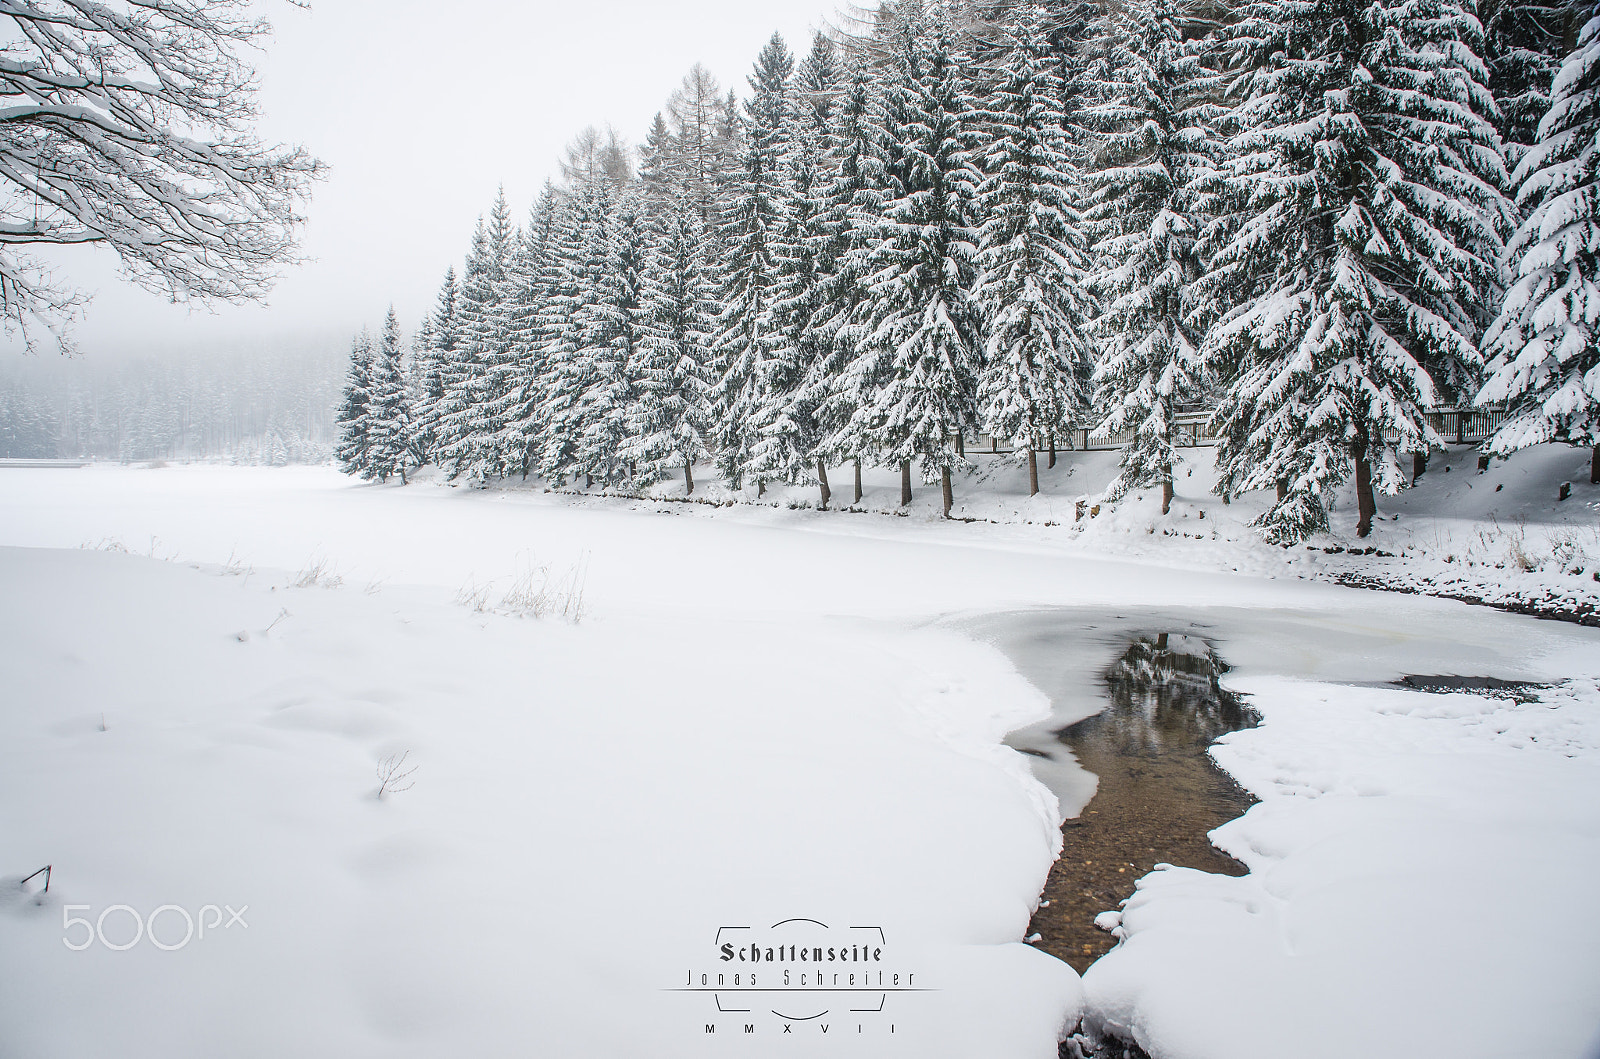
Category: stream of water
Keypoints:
(1138, 697)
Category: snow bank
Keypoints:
(1421, 883)
(590, 805)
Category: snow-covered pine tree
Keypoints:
(277, 451)
(729, 145)
(569, 286)
(486, 335)
(788, 448)
(388, 418)
(1031, 289)
(658, 163)
(441, 339)
(921, 334)
(1074, 30)
(1367, 254)
(818, 84)
(1155, 141)
(1086, 72)
(351, 449)
(422, 384)
(807, 257)
(610, 327)
(466, 434)
(850, 212)
(1523, 44)
(671, 412)
(1544, 347)
(518, 395)
(747, 335)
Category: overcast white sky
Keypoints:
(421, 109)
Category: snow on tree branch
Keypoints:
(130, 124)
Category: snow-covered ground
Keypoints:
(1422, 877)
(1502, 536)
(760, 717)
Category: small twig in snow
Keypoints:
(393, 776)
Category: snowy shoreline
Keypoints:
(1528, 552)
(1584, 613)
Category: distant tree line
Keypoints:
(1022, 219)
(235, 406)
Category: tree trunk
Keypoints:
(761, 487)
(688, 479)
(944, 487)
(1283, 489)
(822, 482)
(1033, 472)
(1052, 462)
(1166, 491)
(1594, 467)
(1366, 507)
(961, 446)
(905, 482)
(1419, 466)
(402, 474)
(858, 480)
(588, 481)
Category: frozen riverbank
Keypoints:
(1400, 840)
(1420, 870)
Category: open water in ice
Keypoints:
(1137, 698)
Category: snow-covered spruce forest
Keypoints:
(1315, 221)
(232, 405)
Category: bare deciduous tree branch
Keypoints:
(130, 123)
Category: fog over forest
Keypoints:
(209, 364)
(242, 404)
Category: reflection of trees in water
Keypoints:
(1164, 693)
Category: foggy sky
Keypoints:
(421, 110)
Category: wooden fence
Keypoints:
(1191, 431)
(1463, 425)
(1459, 426)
